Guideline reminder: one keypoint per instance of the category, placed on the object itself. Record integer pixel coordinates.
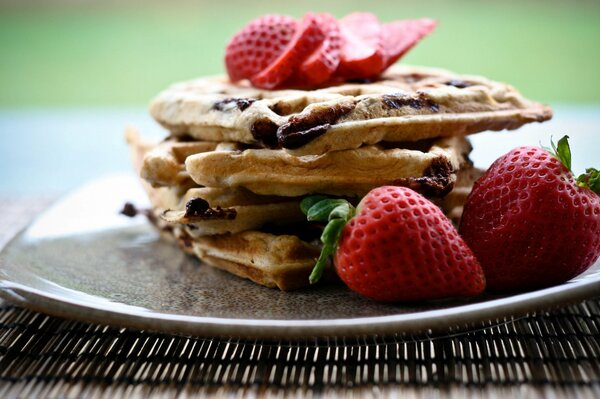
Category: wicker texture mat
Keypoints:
(553, 354)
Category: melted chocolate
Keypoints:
(397, 101)
(265, 131)
(298, 139)
(281, 108)
(435, 182)
(129, 210)
(301, 129)
(198, 208)
(231, 103)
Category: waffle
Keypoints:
(429, 169)
(275, 259)
(230, 211)
(406, 104)
(241, 209)
(277, 256)
(281, 261)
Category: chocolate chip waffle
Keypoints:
(278, 256)
(405, 104)
(204, 210)
(264, 238)
(428, 167)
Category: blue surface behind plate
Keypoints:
(45, 151)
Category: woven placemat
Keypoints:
(554, 354)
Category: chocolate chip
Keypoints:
(298, 139)
(304, 128)
(265, 131)
(435, 182)
(129, 210)
(461, 84)
(232, 103)
(281, 108)
(198, 208)
(397, 101)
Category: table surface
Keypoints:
(550, 354)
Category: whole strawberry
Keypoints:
(530, 223)
(399, 247)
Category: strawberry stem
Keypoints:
(562, 151)
(336, 212)
(590, 179)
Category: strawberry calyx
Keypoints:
(336, 212)
(562, 151)
(590, 179)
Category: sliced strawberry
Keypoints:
(363, 51)
(322, 63)
(401, 36)
(257, 45)
(307, 38)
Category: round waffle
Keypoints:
(406, 104)
(429, 168)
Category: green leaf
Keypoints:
(342, 211)
(320, 212)
(562, 151)
(330, 237)
(590, 179)
(308, 202)
(337, 212)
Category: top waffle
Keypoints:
(406, 104)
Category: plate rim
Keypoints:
(429, 322)
(448, 320)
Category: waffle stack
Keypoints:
(228, 181)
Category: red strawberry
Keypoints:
(257, 45)
(363, 51)
(530, 223)
(401, 36)
(399, 247)
(307, 38)
(322, 63)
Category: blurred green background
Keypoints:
(91, 53)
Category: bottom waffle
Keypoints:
(279, 256)
(273, 260)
